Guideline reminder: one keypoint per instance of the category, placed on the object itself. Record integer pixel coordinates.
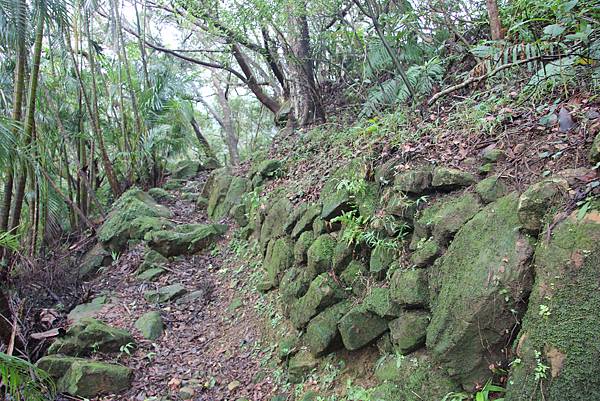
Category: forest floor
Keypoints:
(211, 348)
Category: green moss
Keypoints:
(425, 254)
(301, 247)
(416, 181)
(90, 335)
(185, 239)
(274, 224)
(151, 325)
(321, 333)
(409, 287)
(322, 292)
(408, 331)
(535, 202)
(278, 259)
(359, 327)
(89, 379)
(379, 301)
(216, 207)
(354, 277)
(165, 294)
(450, 178)
(342, 255)
(484, 279)
(491, 189)
(160, 194)
(320, 254)
(381, 259)
(305, 222)
(561, 322)
(293, 285)
(301, 364)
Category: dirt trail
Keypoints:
(210, 349)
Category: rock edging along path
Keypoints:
(176, 295)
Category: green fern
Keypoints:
(22, 380)
(9, 241)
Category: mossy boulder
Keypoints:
(293, 285)
(300, 365)
(426, 253)
(173, 184)
(485, 279)
(535, 202)
(335, 200)
(397, 204)
(152, 259)
(449, 178)
(410, 287)
(142, 225)
(444, 218)
(379, 301)
(165, 294)
(270, 168)
(235, 193)
(279, 258)
(90, 335)
(409, 330)
(368, 201)
(301, 247)
(93, 260)
(560, 328)
(296, 214)
(306, 220)
(274, 224)
(89, 379)
(342, 255)
(185, 169)
(88, 309)
(151, 274)
(354, 277)
(359, 327)
(381, 259)
(491, 189)
(385, 173)
(133, 204)
(160, 195)
(216, 208)
(416, 181)
(414, 378)
(322, 334)
(151, 325)
(56, 365)
(185, 239)
(320, 254)
(322, 292)
(319, 227)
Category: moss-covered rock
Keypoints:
(535, 202)
(133, 204)
(379, 301)
(335, 200)
(319, 227)
(485, 280)
(91, 378)
(174, 184)
(322, 334)
(414, 378)
(322, 292)
(235, 194)
(185, 239)
(93, 260)
(444, 218)
(359, 327)
(90, 335)
(270, 168)
(151, 325)
(274, 223)
(185, 169)
(219, 188)
(450, 178)
(293, 285)
(152, 259)
(381, 259)
(296, 214)
(320, 254)
(560, 328)
(410, 288)
(88, 309)
(300, 365)
(279, 258)
(306, 220)
(408, 331)
(140, 226)
(342, 256)
(425, 254)
(385, 173)
(165, 294)
(492, 155)
(491, 189)
(160, 195)
(368, 201)
(397, 204)
(416, 181)
(301, 247)
(56, 365)
(354, 277)
(151, 274)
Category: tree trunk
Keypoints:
(227, 122)
(202, 140)
(30, 117)
(495, 23)
(306, 99)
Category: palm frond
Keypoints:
(25, 381)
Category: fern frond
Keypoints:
(25, 381)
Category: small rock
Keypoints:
(233, 385)
(165, 294)
(151, 325)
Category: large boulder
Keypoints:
(408, 331)
(410, 288)
(322, 334)
(359, 327)
(279, 258)
(559, 347)
(91, 378)
(535, 202)
(354, 277)
(416, 181)
(293, 285)
(185, 169)
(90, 335)
(302, 246)
(485, 280)
(320, 254)
(218, 189)
(322, 292)
(444, 218)
(491, 189)
(234, 195)
(274, 224)
(185, 239)
(449, 178)
(379, 301)
(133, 204)
(415, 378)
(305, 222)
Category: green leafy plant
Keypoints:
(25, 381)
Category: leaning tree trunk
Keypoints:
(227, 123)
(306, 97)
(495, 23)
